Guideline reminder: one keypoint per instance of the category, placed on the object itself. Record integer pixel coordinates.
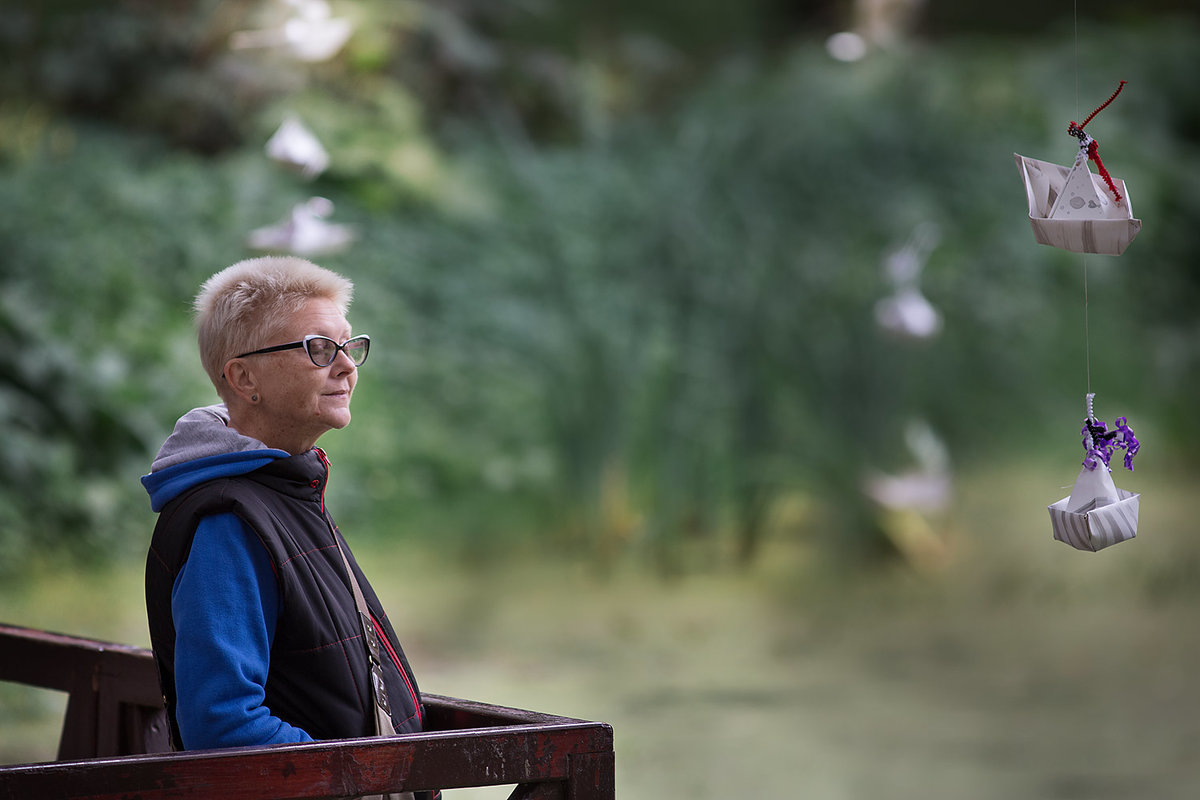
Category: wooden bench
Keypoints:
(114, 742)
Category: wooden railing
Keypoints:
(114, 742)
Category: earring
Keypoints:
(253, 398)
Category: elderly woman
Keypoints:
(263, 626)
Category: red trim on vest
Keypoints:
(403, 672)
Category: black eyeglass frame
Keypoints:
(337, 348)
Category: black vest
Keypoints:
(319, 676)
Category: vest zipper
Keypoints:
(325, 462)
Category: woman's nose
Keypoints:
(342, 362)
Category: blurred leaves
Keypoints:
(62, 436)
(608, 322)
(157, 69)
(681, 314)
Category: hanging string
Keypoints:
(1075, 17)
(1087, 338)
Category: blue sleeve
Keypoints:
(225, 604)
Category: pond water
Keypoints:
(1021, 669)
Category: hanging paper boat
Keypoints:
(1097, 514)
(1069, 209)
(907, 313)
(1073, 209)
(305, 232)
(294, 146)
(927, 487)
(311, 35)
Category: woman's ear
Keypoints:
(241, 380)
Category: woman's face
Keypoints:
(299, 401)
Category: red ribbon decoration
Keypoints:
(1093, 147)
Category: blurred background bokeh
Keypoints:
(718, 387)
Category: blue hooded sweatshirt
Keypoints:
(225, 600)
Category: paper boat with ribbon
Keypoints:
(1072, 208)
(1097, 514)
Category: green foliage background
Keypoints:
(620, 287)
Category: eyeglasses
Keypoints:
(322, 350)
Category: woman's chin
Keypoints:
(335, 412)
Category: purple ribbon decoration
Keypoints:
(1099, 442)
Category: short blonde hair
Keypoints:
(243, 305)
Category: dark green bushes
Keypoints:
(643, 337)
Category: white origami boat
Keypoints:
(296, 147)
(304, 232)
(1097, 514)
(1095, 527)
(1071, 208)
(312, 34)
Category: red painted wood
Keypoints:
(493, 756)
(592, 775)
(114, 738)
